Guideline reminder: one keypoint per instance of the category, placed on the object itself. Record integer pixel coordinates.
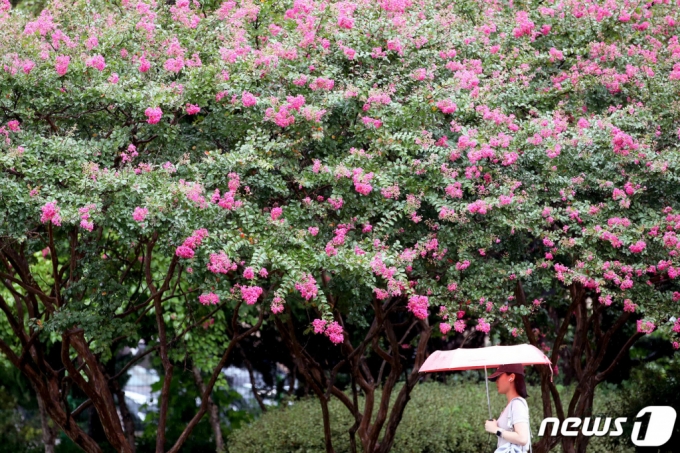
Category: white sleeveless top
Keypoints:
(520, 413)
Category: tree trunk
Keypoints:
(49, 434)
(128, 421)
(212, 411)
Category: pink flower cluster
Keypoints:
(85, 222)
(462, 266)
(418, 306)
(368, 121)
(97, 62)
(220, 263)
(623, 143)
(444, 328)
(186, 250)
(333, 330)
(248, 99)
(61, 64)
(676, 326)
(447, 106)
(228, 201)
(645, 326)
(322, 83)
(209, 299)
(638, 247)
(629, 306)
(479, 206)
(153, 114)
(249, 273)
(50, 213)
(361, 181)
(250, 294)
(282, 117)
(336, 203)
(131, 153)
(192, 109)
(483, 326)
(524, 25)
(307, 287)
(277, 305)
(276, 213)
(140, 214)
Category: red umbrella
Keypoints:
(488, 357)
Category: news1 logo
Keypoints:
(660, 423)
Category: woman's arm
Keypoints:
(520, 436)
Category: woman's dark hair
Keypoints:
(521, 386)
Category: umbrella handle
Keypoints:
(488, 401)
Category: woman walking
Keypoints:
(512, 426)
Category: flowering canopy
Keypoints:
(520, 148)
(437, 152)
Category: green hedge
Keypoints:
(439, 418)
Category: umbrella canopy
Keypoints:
(489, 357)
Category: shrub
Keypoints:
(439, 418)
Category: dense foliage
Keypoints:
(169, 172)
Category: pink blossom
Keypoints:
(144, 65)
(459, 326)
(444, 328)
(248, 99)
(97, 62)
(274, 29)
(336, 203)
(27, 66)
(479, 206)
(50, 213)
(629, 306)
(483, 326)
(209, 299)
(249, 273)
(307, 287)
(14, 126)
(192, 109)
(462, 266)
(418, 306)
(184, 252)
(220, 263)
(319, 325)
(153, 114)
(91, 42)
(277, 305)
(276, 213)
(62, 63)
(524, 25)
(250, 294)
(334, 332)
(140, 214)
(447, 106)
(638, 247)
(174, 64)
(322, 83)
(645, 326)
(113, 78)
(313, 231)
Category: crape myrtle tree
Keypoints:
(180, 173)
